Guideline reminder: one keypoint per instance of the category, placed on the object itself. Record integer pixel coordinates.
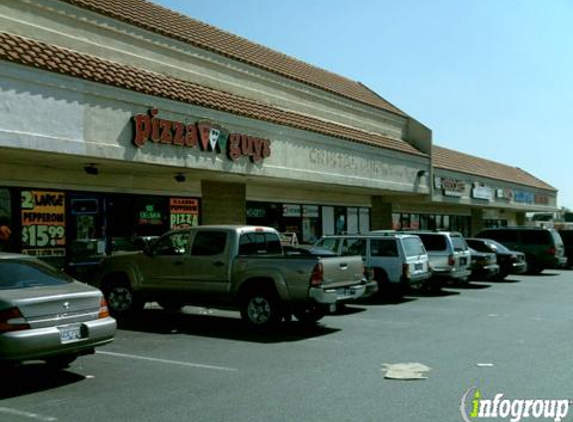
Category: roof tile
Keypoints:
(96, 69)
(166, 22)
(448, 159)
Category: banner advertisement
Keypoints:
(43, 223)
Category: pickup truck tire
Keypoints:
(261, 308)
(121, 299)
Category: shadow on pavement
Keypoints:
(32, 378)
(431, 293)
(470, 286)
(385, 300)
(158, 321)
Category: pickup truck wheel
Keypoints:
(261, 309)
(121, 300)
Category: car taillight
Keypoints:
(317, 275)
(513, 258)
(369, 273)
(552, 251)
(451, 261)
(405, 270)
(11, 319)
(103, 311)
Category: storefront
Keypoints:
(116, 127)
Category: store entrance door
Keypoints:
(87, 233)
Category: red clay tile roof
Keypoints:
(448, 159)
(59, 60)
(166, 22)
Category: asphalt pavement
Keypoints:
(509, 338)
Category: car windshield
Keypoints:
(498, 247)
(23, 273)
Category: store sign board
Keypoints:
(43, 223)
(150, 216)
(449, 186)
(522, 197)
(482, 192)
(291, 210)
(504, 193)
(202, 135)
(184, 213)
(310, 211)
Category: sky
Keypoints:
(490, 78)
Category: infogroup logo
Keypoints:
(474, 407)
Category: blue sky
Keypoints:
(491, 78)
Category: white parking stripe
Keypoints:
(173, 362)
(29, 415)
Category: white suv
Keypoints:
(450, 257)
(398, 260)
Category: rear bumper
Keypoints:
(487, 271)
(451, 273)
(40, 343)
(331, 296)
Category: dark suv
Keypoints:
(543, 248)
(567, 236)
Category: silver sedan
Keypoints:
(46, 315)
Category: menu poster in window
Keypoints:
(43, 223)
(184, 212)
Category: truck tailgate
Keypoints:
(342, 271)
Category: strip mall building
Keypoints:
(122, 119)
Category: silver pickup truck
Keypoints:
(230, 267)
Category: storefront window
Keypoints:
(310, 223)
(352, 221)
(328, 220)
(364, 216)
(6, 226)
(340, 220)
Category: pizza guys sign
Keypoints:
(205, 135)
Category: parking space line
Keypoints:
(28, 415)
(172, 362)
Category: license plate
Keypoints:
(463, 261)
(71, 333)
(418, 267)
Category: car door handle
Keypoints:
(218, 263)
(178, 263)
(344, 266)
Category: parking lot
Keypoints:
(506, 337)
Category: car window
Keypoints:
(459, 243)
(413, 246)
(207, 243)
(383, 247)
(20, 274)
(478, 245)
(353, 247)
(259, 243)
(172, 244)
(328, 243)
(434, 242)
(536, 237)
(503, 236)
(496, 246)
